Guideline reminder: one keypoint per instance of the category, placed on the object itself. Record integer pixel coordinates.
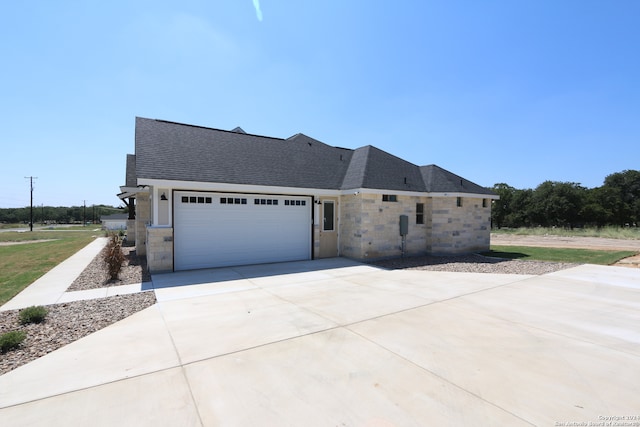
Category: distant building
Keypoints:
(114, 222)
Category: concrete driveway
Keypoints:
(336, 343)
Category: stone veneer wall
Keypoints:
(131, 231)
(428, 224)
(370, 228)
(143, 217)
(350, 231)
(459, 229)
(159, 249)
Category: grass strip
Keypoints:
(21, 265)
(579, 256)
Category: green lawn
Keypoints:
(21, 265)
(582, 256)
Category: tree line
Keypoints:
(568, 204)
(57, 215)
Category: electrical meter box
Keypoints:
(404, 225)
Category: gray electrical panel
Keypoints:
(404, 225)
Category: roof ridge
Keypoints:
(367, 162)
(295, 135)
(393, 155)
(211, 128)
(435, 176)
(357, 168)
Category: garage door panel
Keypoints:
(236, 230)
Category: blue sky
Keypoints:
(515, 91)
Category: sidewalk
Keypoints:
(52, 287)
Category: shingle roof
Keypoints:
(354, 177)
(388, 172)
(174, 151)
(439, 180)
(130, 178)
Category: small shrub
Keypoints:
(11, 340)
(33, 314)
(113, 256)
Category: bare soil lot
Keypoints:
(598, 243)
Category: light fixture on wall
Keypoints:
(163, 197)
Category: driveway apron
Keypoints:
(334, 342)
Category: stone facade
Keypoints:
(370, 227)
(459, 225)
(159, 249)
(143, 217)
(131, 231)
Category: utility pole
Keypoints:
(31, 178)
(84, 212)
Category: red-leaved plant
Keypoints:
(113, 256)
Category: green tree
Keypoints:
(558, 204)
(625, 205)
(59, 214)
(501, 208)
(521, 213)
(597, 209)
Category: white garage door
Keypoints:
(217, 230)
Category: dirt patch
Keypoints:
(632, 261)
(577, 242)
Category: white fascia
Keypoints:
(266, 189)
(416, 193)
(126, 192)
(471, 195)
(235, 188)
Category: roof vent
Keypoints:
(238, 130)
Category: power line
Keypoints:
(31, 178)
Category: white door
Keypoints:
(328, 228)
(219, 229)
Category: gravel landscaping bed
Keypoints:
(66, 323)
(71, 321)
(134, 270)
(473, 263)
